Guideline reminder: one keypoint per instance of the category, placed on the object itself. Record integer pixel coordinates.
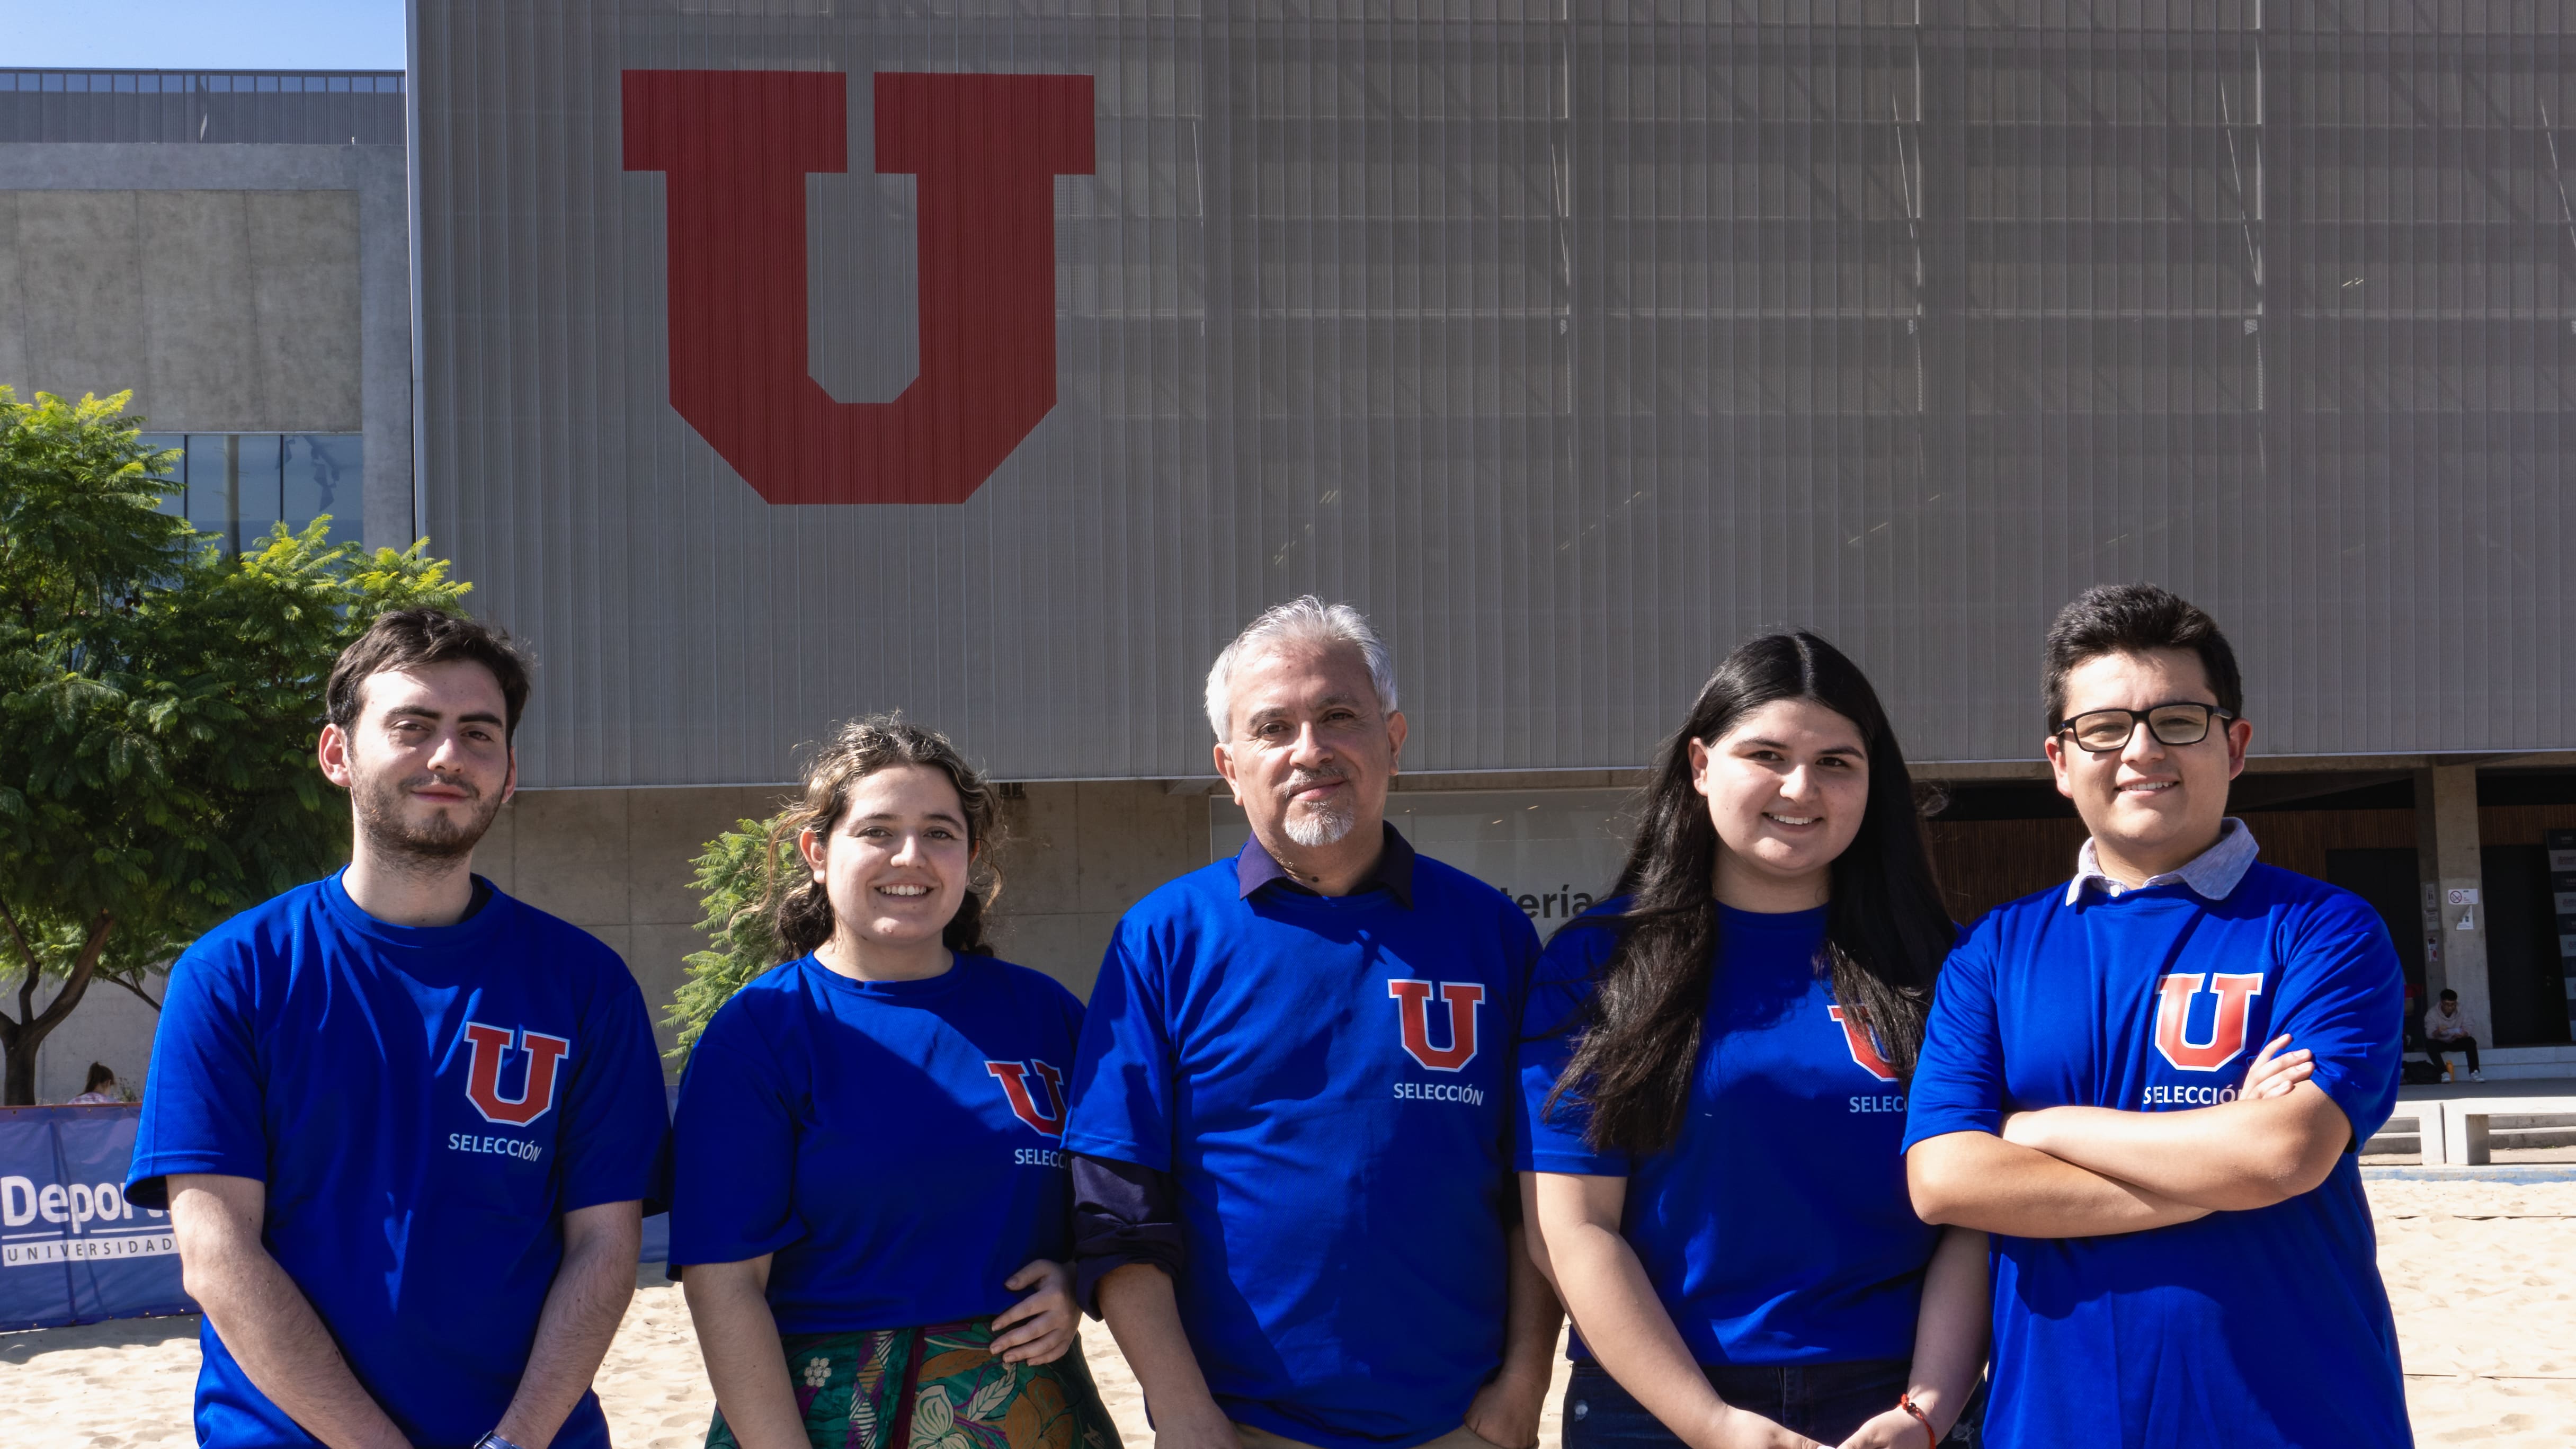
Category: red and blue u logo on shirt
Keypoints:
(1863, 1046)
(1046, 1117)
(483, 1079)
(2174, 996)
(1413, 1009)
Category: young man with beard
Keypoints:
(402, 1122)
(2149, 1084)
(1293, 1182)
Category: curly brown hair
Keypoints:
(798, 907)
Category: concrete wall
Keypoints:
(1074, 857)
(232, 288)
(224, 311)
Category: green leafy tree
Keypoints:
(731, 875)
(158, 703)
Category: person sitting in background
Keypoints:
(2444, 1030)
(100, 1090)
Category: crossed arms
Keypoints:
(2080, 1172)
(280, 1342)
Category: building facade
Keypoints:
(235, 250)
(779, 362)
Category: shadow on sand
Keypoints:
(28, 1345)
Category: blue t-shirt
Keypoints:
(1776, 1227)
(2249, 1329)
(1328, 1079)
(424, 1106)
(895, 1144)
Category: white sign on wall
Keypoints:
(1554, 852)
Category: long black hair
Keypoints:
(1886, 930)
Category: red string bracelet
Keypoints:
(1906, 1402)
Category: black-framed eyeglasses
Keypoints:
(2184, 722)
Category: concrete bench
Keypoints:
(2466, 1131)
(2421, 1121)
(2463, 1131)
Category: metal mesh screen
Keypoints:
(1572, 342)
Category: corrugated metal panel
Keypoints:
(1571, 348)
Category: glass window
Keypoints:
(209, 494)
(260, 501)
(175, 469)
(322, 477)
(237, 486)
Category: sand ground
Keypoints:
(2482, 1275)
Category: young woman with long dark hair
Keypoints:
(1713, 1079)
(871, 1199)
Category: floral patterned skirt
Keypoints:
(936, 1388)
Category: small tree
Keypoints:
(158, 702)
(732, 874)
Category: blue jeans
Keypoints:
(1824, 1401)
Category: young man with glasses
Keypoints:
(2149, 1084)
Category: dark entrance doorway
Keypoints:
(2386, 878)
(2527, 993)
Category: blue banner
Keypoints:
(72, 1249)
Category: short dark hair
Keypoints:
(2133, 619)
(403, 638)
(2450, 995)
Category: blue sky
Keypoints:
(203, 34)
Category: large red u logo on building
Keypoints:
(2174, 994)
(1413, 1004)
(737, 146)
(483, 1078)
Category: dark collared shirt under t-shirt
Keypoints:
(1255, 867)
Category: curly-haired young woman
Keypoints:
(870, 1197)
